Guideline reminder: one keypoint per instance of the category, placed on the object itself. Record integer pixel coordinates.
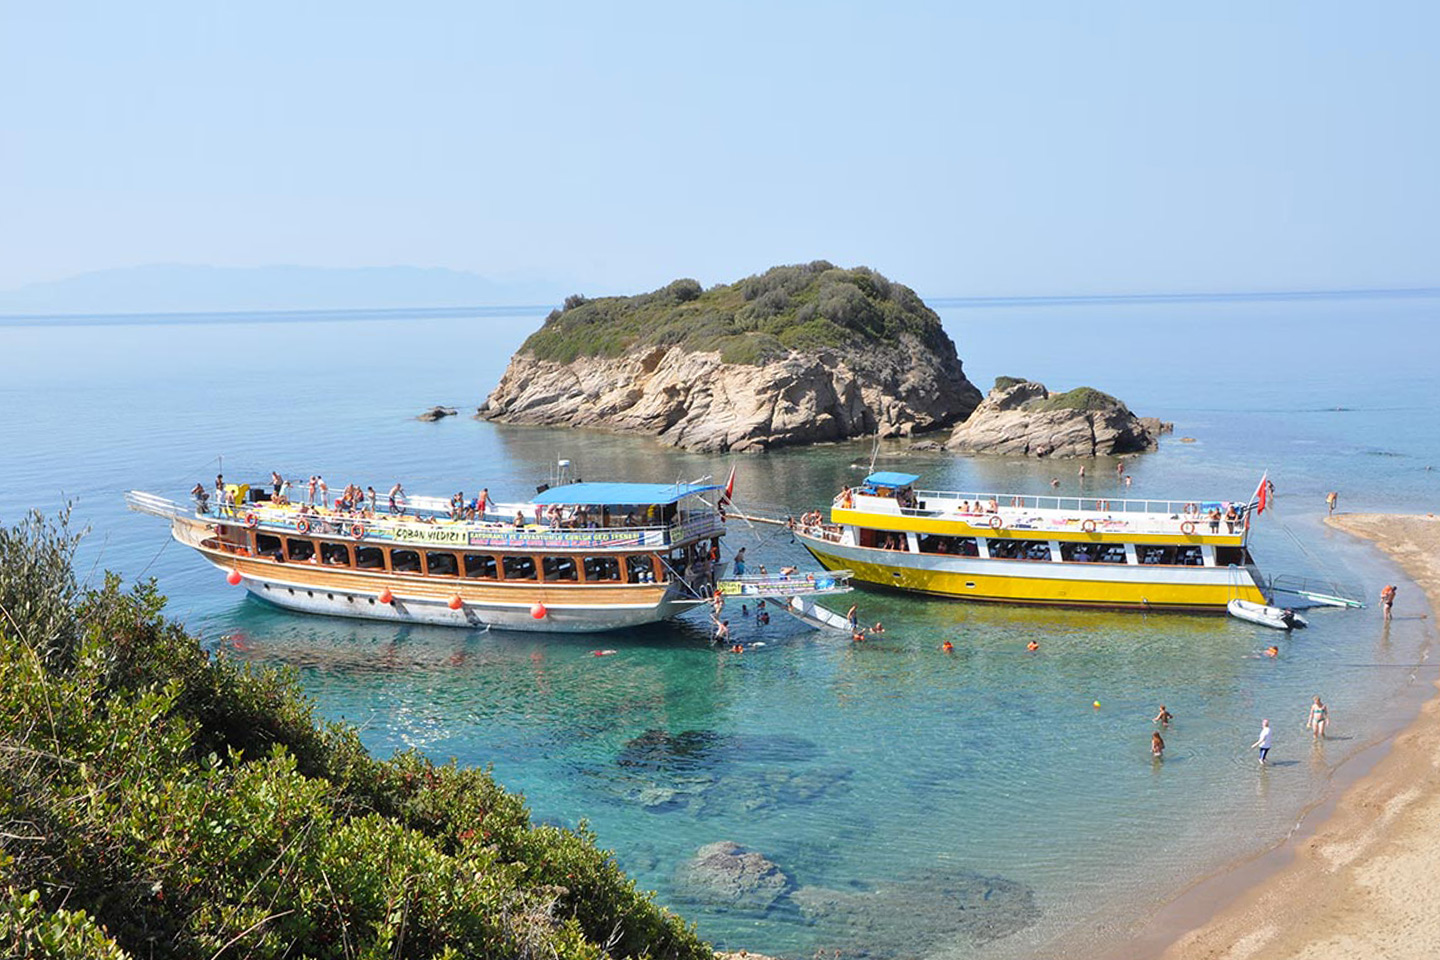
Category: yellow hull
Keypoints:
(1015, 588)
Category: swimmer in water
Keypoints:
(858, 636)
(948, 647)
(1163, 717)
(1032, 646)
(1272, 651)
(1157, 746)
(878, 628)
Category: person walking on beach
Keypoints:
(1319, 718)
(1263, 742)
(1387, 598)
(1157, 746)
(1331, 498)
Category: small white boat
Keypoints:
(1273, 617)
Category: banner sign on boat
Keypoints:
(442, 536)
(569, 539)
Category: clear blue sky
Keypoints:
(964, 149)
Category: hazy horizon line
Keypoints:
(383, 313)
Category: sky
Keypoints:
(965, 149)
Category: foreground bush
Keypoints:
(157, 802)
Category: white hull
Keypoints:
(1272, 617)
(558, 618)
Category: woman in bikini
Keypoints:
(1319, 718)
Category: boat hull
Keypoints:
(347, 593)
(1106, 586)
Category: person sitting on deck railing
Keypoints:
(202, 498)
(519, 520)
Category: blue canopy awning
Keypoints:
(887, 478)
(629, 494)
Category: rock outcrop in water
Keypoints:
(727, 874)
(796, 355)
(1022, 418)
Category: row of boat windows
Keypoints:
(630, 568)
(1003, 548)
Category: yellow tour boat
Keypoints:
(1067, 551)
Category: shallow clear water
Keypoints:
(973, 804)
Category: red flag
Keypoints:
(1262, 494)
(729, 486)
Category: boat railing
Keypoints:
(1176, 509)
(432, 530)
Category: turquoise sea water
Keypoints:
(921, 804)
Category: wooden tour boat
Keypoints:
(578, 557)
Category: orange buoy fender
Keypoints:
(456, 603)
(251, 520)
(1088, 526)
(538, 611)
(357, 530)
(386, 596)
(233, 577)
(996, 523)
(302, 525)
(1188, 527)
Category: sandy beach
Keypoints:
(1362, 884)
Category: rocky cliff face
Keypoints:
(696, 401)
(1022, 418)
(798, 354)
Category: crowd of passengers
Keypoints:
(355, 503)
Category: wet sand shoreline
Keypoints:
(1356, 880)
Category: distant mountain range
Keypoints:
(183, 288)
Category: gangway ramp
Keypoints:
(795, 594)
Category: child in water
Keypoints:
(1157, 746)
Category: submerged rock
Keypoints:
(726, 874)
(436, 413)
(1022, 418)
(912, 917)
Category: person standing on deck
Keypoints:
(310, 491)
(324, 491)
(397, 498)
(739, 562)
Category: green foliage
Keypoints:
(29, 930)
(186, 803)
(1005, 383)
(753, 321)
(1081, 398)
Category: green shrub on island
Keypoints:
(1086, 399)
(159, 802)
(754, 321)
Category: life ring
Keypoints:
(1188, 527)
(357, 530)
(251, 520)
(1192, 509)
(996, 523)
(302, 525)
(1088, 526)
